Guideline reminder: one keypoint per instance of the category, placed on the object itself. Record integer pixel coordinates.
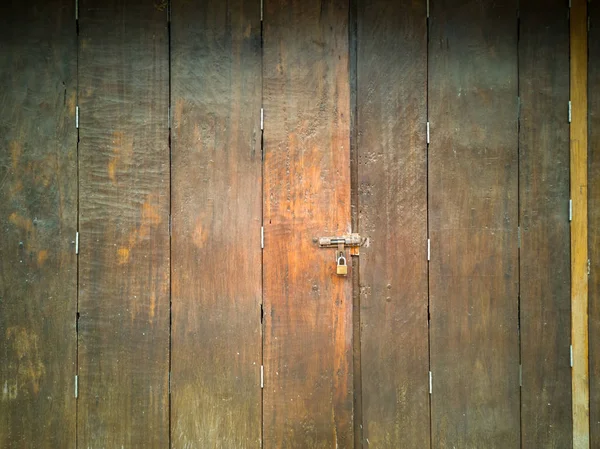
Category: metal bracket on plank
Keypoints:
(77, 243)
(430, 383)
(76, 386)
(262, 237)
(428, 132)
(569, 111)
(76, 117)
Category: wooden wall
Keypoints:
(166, 166)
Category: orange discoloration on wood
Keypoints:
(21, 222)
(200, 235)
(123, 255)
(42, 256)
(15, 152)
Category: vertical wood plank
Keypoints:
(124, 225)
(544, 220)
(579, 225)
(473, 224)
(392, 176)
(38, 221)
(594, 219)
(217, 213)
(308, 308)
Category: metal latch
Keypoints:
(353, 241)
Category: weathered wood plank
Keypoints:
(544, 220)
(217, 214)
(308, 308)
(124, 225)
(579, 225)
(392, 176)
(594, 219)
(473, 224)
(38, 221)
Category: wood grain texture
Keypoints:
(544, 220)
(38, 221)
(124, 225)
(594, 219)
(308, 308)
(579, 225)
(473, 224)
(392, 176)
(217, 214)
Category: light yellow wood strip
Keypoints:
(579, 223)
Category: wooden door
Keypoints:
(169, 166)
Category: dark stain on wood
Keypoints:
(308, 308)
(124, 225)
(473, 210)
(392, 189)
(217, 214)
(544, 219)
(38, 221)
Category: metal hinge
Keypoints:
(519, 237)
(571, 355)
(520, 375)
(428, 249)
(77, 243)
(428, 132)
(262, 376)
(570, 210)
(589, 267)
(170, 224)
(77, 117)
(262, 237)
(569, 111)
(262, 119)
(76, 386)
(430, 383)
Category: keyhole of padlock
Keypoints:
(342, 266)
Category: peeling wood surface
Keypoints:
(544, 219)
(217, 214)
(124, 225)
(308, 308)
(473, 207)
(392, 199)
(38, 221)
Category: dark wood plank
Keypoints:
(593, 90)
(544, 220)
(308, 308)
(217, 214)
(392, 176)
(473, 224)
(38, 221)
(124, 225)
